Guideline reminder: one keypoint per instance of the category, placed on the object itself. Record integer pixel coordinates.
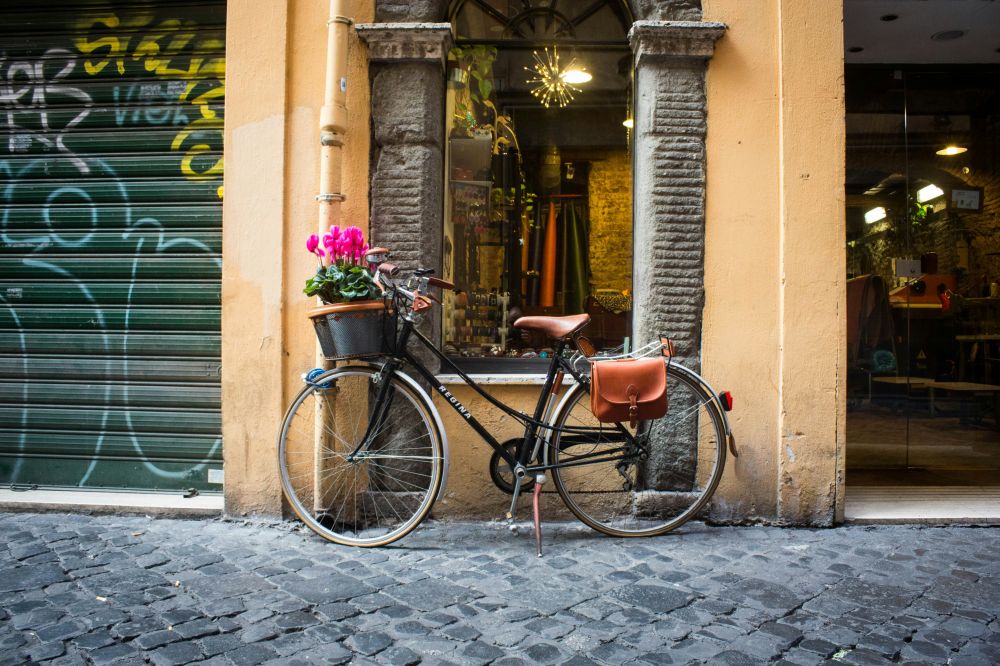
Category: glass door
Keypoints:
(923, 213)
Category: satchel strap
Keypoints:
(632, 393)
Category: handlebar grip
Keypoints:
(387, 268)
(444, 284)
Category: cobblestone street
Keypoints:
(126, 590)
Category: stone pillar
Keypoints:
(669, 203)
(669, 210)
(408, 90)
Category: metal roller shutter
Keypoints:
(110, 257)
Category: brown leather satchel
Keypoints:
(630, 390)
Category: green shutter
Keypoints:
(111, 246)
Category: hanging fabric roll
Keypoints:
(525, 256)
(537, 232)
(576, 287)
(549, 260)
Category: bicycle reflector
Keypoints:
(727, 400)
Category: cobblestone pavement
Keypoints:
(107, 590)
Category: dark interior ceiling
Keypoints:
(922, 31)
(909, 93)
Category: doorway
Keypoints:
(922, 189)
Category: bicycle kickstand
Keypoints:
(539, 480)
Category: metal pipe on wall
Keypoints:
(332, 132)
(333, 118)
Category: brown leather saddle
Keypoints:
(560, 328)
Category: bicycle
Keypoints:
(364, 454)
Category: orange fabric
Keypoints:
(549, 260)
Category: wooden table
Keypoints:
(917, 382)
(965, 343)
(923, 383)
(971, 388)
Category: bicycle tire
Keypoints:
(668, 488)
(382, 495)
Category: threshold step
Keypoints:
(978, 505)
(113, 502)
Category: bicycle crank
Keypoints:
(501, 472)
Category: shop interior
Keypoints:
(923, 254)
(538, 203)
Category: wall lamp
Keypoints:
(951, 150)
(874, 215)
(932, 191)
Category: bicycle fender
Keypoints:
(730, 438)
(409, 381)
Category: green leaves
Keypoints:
(341, 282)
(485, 88)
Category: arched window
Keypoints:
(538, 198)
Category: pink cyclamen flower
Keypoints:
(312, 244)
(330, 239)
(355, 241)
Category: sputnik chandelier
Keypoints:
(551, 82)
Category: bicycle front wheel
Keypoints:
(647, 486)
(352, 489)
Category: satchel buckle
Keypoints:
(633, 411)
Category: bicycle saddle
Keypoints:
(557, 327)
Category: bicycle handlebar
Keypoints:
(444, 284)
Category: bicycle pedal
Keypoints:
(511, 525)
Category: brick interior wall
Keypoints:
(610, 186)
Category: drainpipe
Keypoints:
(332, 131)
(333, 118)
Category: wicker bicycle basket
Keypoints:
(353, 330)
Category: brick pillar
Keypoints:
(669, 209)
(408, 91)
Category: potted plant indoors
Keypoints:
(353, 322)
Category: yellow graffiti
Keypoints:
(197, 150)
(172, 50)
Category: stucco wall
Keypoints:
(774, 273)
(275, 75)
(773, 328)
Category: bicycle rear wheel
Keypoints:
(648, 488)
(367, 496)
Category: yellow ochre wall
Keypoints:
(276, 64)
(774, 278)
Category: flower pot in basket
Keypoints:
(350, 330)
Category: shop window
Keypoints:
(538, 198)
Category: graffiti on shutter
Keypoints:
(110, 243)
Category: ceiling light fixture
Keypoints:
(874, 215)
(550, 86)
(947, 35)
(628, 122)
(951, 150)
(888, 17)
(932, 191)
(576, 75)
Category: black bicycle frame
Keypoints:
(532, 423)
